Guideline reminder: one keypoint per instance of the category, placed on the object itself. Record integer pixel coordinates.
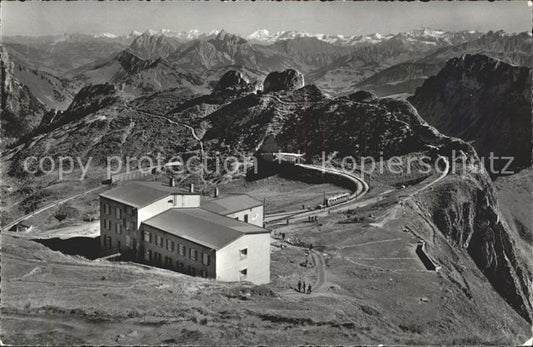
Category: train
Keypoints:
(334, 200)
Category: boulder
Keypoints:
(232, 81)
(286, 80)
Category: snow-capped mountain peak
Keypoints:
(106, 35)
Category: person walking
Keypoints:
(303, 286)
(299, 286)
(309, 289)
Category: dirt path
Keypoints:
(320, 264)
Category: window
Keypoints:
(156, 240)
(168, 244)
(118, 212)
(106, 209)
(168, 261)
(128, 241)
(118, 228)
(148, 255)
(245, 218)
(203, 273)
(181, 249)
(243, 274)
(192, 271)
(193, 254)
(160, 241)
(244, 253)
(172, 246)
(107, 242)
(147, 236)
(206, 259)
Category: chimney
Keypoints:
(172, 182)
(191, 188)
(217, 192)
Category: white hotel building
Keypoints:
(221, 238)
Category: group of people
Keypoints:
(301, 287)
(312, 218)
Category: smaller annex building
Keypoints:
(156, 223)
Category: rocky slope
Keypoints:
(136, 76)
(482, 100)
(148, 46)
(21, 110)
(465, 210)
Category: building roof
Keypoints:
(140, 194)
(203, 227)
(230, 204)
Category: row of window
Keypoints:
(118, 211)
(193, 253)
(108, 242)
(155, 257)
(118, 227)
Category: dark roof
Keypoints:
(139, 194)
(202, 227)
(230, 204)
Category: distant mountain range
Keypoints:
(51, 69)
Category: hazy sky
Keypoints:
(243, 17)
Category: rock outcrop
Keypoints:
(287, 80)
(87, 101)
(234, 81)
(483, 100)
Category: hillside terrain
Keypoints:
(483, 100)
